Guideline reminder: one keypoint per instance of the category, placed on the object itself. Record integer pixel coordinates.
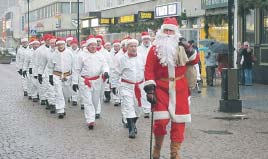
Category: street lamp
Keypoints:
(28, 12)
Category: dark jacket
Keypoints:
(247, 64)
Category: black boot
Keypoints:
(30, 98)
(25, 93)
(74, 103)
(131, 126)
(52, 109)
(43, 102)
(61, 115)
(35, 99)
(135, 128)
(47, 105)
(82, 106)
(97, 116)
(107, 95)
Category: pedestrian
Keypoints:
(60, 69)
(19, 62)
(210, 62)
(143, 49)
(167, 87)
(90, 71)
(246, 62)
(130, 70)
(239, 66)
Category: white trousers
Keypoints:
(91, 98)
(24, 84)
(51, 96)
(34, 89)
(43, 88)
(29, 84)
(62, 92)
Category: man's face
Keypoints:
(52, 43)
(146, 41)
(69, 42)
(24, 44)
(92, 47)
(61, 47)
(116, 48)
(132, 49)
(98, 43)
(74, 46)
(35, 45)
(169, 32)
(47, 42)
(108, 47)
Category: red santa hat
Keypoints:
(129, 41)
(170, 24)
(33, 41)
(100, 37)
(60, 41)
(69, 38)
(24, 40)
(83, 43)
(47, 37)
(74, 41)
(123, 42)
(144, 35)
(53, 38)
(116, 42)
(91, 39)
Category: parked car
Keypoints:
(7, 55)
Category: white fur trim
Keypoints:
(132, 41)
(158, 115)
(91, 40)
(170, 27)
(99, 39)
(191, 58)
(146, 36)
(35, 41)
(24, 40)
(107, 43)
(186, 118)
(69, 38)
(60, 42)
(116, 44)
(146, 83)
(123, 42)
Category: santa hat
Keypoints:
(53, 38)
(91, 39)
(170, 24)
(83, 43)
(116, 42)
(74, 41)
(144, 35)
(69, 38)
(60, 41)
(47, 37)
(33, 41)
(123, 42)
(107, 43)
(100, 37)
(129, 41)
(24, 40)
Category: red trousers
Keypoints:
(176, 132)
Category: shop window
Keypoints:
(250, 27)
(264, 26)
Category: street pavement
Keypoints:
(29, 131)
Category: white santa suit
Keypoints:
(75, 55)
(90, 66)
(19, 64)
(143, 51)
(34, 64)
(131, 72)
(51, 94)
(26, 66)
(61, 62)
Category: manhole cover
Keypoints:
(217, 132)
(232, 118)
(263, 133)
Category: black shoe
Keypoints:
(48, 107)
(107, 101)
(91, 126)
(135, 128)
(30, 98)
(74, 103)
(25, 93)
(43, 102)
(107, 95)
(61, 115)
(146, 115)
(82, 107)
(97, 116)
(35, 99)
(52, 109)
(116, 104)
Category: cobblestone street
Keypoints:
(29, 131)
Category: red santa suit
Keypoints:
(171, 89)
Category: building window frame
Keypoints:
(264, 26)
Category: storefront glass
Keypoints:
(264, 26)
(250, 27)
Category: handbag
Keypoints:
(254, 58)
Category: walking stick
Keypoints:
(151, 137)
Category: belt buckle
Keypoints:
(64, 79)
(171, 78)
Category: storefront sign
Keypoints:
(127, 19)
(105, 20)
(145, 15)
(168, 10)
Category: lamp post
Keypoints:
(78, 23)
(28, 13)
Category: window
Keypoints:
(65, 8)
(74, 8)
(52, 9)
(250, 27)
(49, 10)
(264, 26)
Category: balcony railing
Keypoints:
(210, 4)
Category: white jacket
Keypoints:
(20, 57)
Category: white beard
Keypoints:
(166, 48)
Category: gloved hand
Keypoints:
(75, 87)
(30, 71)
(106, 75)
(150, 90)
(40, 79)
(50, 79)
(24, 74)
(20, 71)
(114, 90)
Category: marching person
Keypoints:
(108, 46)
(60, 70)
(143, 49)
(19, 62)
(34, 62)
(90, 71)
(68, 40)
(167, 87)
(131, 71)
